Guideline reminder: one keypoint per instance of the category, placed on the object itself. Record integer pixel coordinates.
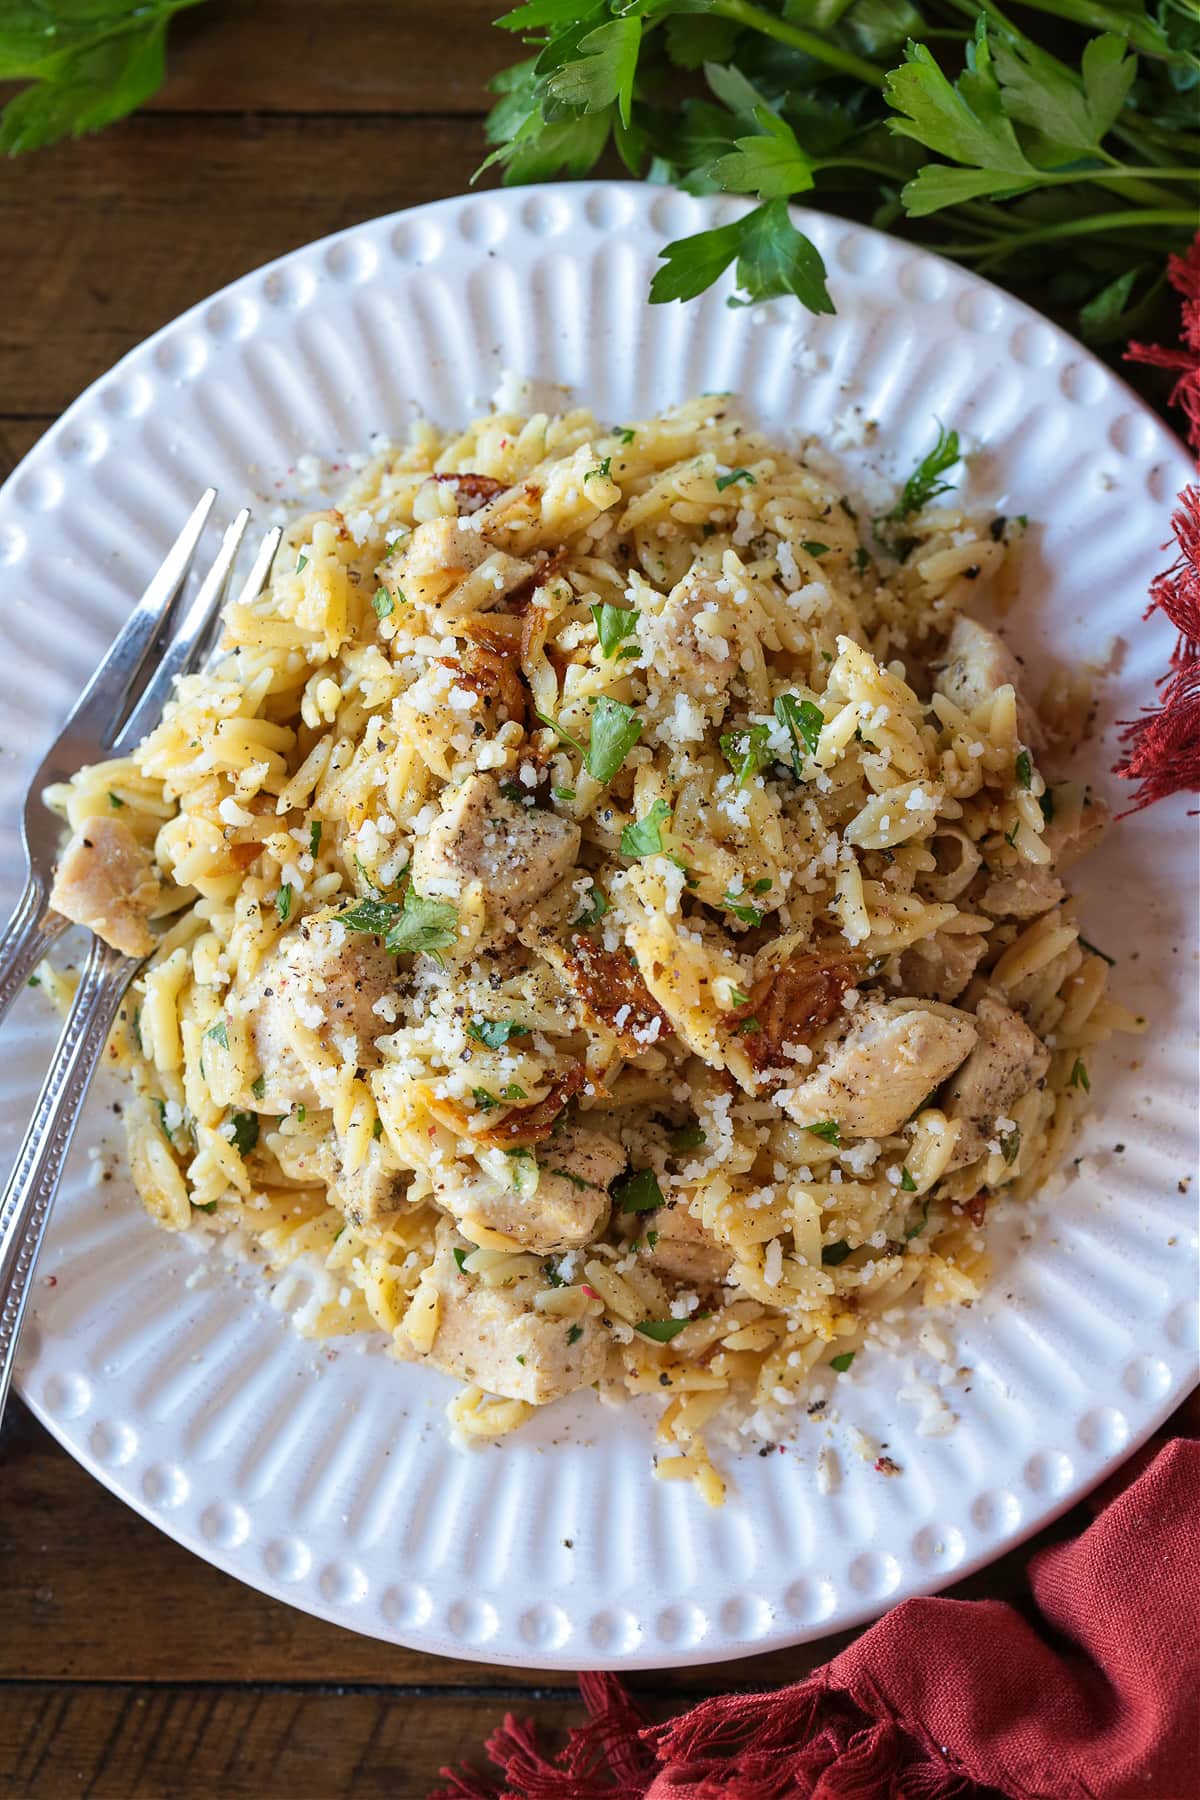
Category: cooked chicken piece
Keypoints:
(973, 665)
(105, 880)
(493, 1336)
(940, 966)
(883, 1059)
(443, 555)
(367, 1194)
(1077, 824)
(570, 1205)
(1021, 896)
(328, 979)
(684, 1249)
(1006, 1062)
(681, 644)
(518, 852)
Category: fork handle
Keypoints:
(34, 1180)
(25, 940)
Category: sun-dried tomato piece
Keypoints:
(490, 666)
(976, 1208)
(477, 488)
(533, 1124)
(792, 1003)
(517, 600)
(608, 983)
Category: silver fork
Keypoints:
(119, 705)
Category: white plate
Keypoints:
(324, 1476)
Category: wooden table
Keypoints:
(128, 1668)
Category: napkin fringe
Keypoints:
(812, 1739)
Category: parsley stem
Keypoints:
(1117, 221)
(741, 12)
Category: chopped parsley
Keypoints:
(829, 1129)
(1024, 769)
(1079, 1076)
(512, 1092)
(862, 558)
(383, 603)
(603, 469)
(1094, 951)
(594, 908)
(626, 433)
(738, 997)
(924, 484)
(204, 1206)
(813, 548)
(513, 790)
(245, 1132)
(644, 838)
(906, 1181)
(613, 625)
(460, 1257)
(283, 903)
(842, 1363)
(616, 728)
(916, 1230)
(1010, 837)
(661, 1330)
(115, 800)
(377, 1128)
(314, 837)
(803, 722)
(688, 1137)
(161, 1107)
(1046, 802)
(259, 1087)
(483, 1100)
(638, 1192)
(495, 1033)
(550, 1271)
(301, 1114)
(1010, 1145)
(219, 1034)
(562, 793)
(833, 1254)
(724, 481)
(407, 926)
(574, 1333)
(736, 904)
(746, 751)
(301, 564)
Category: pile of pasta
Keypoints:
(678, 650)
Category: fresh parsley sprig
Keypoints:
(960, 123)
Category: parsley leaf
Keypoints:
(906, 1181)
(644, 838)
(842, 1363)
(662, 1330)
(314, 837)
(115, 800)
(495, 1033)
(638, 1192)
(724, 481)
(383, 603)
(218, 1034)
(1024, 769)
(1079, 1076)
(604, 72)
(924, 485)
(804, 722)
(574, 1333)
(770, 164)
(460, 1257)
(735, 903)
(258, 1087)
(594, 908)
(283, 902)
(245, 1132)
(812, 548)
(746, 751)
(613, 625)
(965, 121)
(829, 1129)
(414, 924)
(772, 257)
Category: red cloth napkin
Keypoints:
(1095, 1697)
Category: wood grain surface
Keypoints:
(128, 1668)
